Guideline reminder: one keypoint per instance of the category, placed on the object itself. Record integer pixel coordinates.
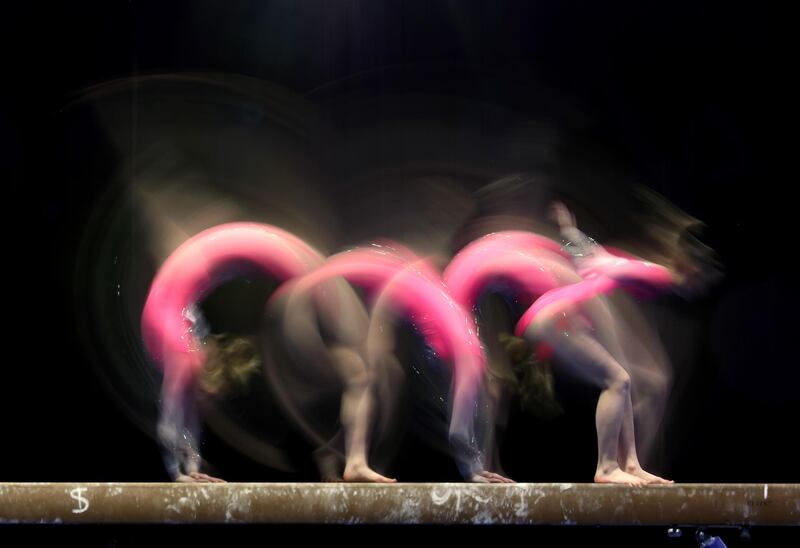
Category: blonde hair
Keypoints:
(533, 378)
(231, 360)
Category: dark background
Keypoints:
(683, 96)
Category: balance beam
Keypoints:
(402, 503)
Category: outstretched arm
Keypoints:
(578, 243)
(464, 439)
(179, 428)
(499, 377)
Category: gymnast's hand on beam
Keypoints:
(198, 477)
(484, 476)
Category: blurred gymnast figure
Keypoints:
(569, 321)
(578, 327)
(325, 325)
(195, 364)
(397, 284)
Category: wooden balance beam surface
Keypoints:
(402, 503)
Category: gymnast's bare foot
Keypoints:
(617, 475)
(639, 472)
(363, 473)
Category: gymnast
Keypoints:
(576, 326)
(396, 282)
(195, 364)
